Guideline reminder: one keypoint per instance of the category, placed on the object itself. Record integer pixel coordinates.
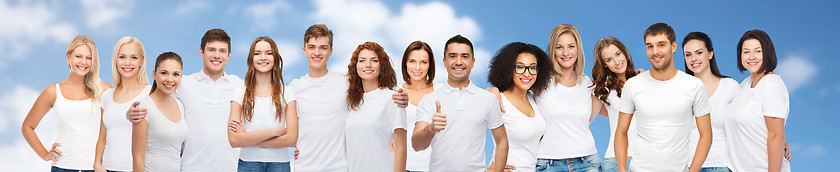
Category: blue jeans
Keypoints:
(611, 165)
(590, 163)
(715, 169)
(254, 166)
(56, 169)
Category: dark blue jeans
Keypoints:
(56, 169)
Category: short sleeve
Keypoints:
(775, 101)
(426, 108)
(701, 101)
(494, 115)
(237, 95)
(626, 100)
(289, 94)
(398, 118)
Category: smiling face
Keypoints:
(614, 59)
(697, 56)
(752, 56)
(458, 61)
(263, 57)
(367, 66)
(660, 51)
(215, 55)
(525, 71)
(317, 51)
(167, 76)
(80, 60)
(565, 52)
(418, 66)
(129, 61)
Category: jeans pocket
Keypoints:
(593, 161)
(542, 164)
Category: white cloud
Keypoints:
(190, 7)
(27, 24)
(17, 155)
(291, 53)
(264, 14)
(796, 71)
(103, 13)
(813, 150)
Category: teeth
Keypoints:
(417, 73)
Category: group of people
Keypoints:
(538, 110)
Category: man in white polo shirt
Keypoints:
(453, 118)
(663, 101)
(206, 97)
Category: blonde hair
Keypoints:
(580, 62)
(142, 77)
(93, 84)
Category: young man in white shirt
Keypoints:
(206, 98)
(322, 107)
(663, 101)
(452, 118)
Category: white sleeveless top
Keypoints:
(117, 155)
(78, 131)
(415, 160)
(164, 138)
(523, 133)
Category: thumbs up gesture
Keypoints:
(439, 120)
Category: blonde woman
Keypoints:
(75, 102)
(113, 150)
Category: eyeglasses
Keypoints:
(520, 69)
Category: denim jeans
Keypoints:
(56, 169)
(715, 169)
(589, 163)
(253, 166)
(611, 165)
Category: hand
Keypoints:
(639, 70)
(279, 131)
(297, 152)
(787, 152)
(400, 98)
(439, 120)
(236, 127)
(508, 168)
(54, 154)
(134, 114)
(97, 167)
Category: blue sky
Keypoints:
(35, 34)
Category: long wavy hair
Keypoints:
(93, 84)
(605, 79)
(387, 76)
(277, 89)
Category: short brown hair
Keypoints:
(660, 28)
(768, 63)
(418, 45)
(215, 35)
(318, 30)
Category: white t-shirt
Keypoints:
(322, 110)
(523, 134)
(460, 147)
(370, 132)
(117, 155)
(718, 154)
(567, 111)
(264, 116)
(415, 160)
(746, 130)
(78, 131)
(663, 113)
(164, 137)
(612, 112)
(206, 111)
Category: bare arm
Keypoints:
(621, 142)
(100, 147)
(495, 91)
(597, 106)
(775, 142)
(422, 136)
(501, 152)
(704, 125)
(138, 144)
(42, 105)
(399, 150)
(244, 138)
(290, 138)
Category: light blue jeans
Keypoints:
(589, 163)
(715, 169)
(253, 166)
(611, 165)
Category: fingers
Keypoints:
(297, 152)
(439, 122)
(234, 126)
(509, 167)
(437, 105)
(501, 103)
(400, 98)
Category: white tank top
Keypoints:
(78, 131)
